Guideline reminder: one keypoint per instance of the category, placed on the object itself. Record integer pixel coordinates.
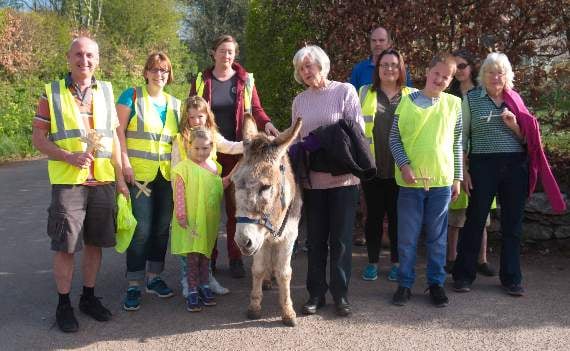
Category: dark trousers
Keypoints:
(381, 199)
(330, 222)
(507, 176)
(228, 163)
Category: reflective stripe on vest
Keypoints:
(369, 105)
(149, 142)
(247, 94)
(67, 129)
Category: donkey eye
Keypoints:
(264, 188)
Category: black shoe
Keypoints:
(91, 306)
(514, 290)
(449, 266)
(342, 307)
(401, 296)
(437, 294)
(461, 286)
(236, 268)
(486, 270)
(313, 304)
(66, 319)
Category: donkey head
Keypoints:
(264, 185)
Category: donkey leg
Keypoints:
(283, 273)
(257, 274)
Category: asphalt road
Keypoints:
(485, 319)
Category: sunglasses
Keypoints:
(462, 66)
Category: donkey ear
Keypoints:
(285, 139)
(249, 127)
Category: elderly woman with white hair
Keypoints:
(330, 200)
(500, 138)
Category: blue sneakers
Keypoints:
(193, 301)
(370, 272)
(158, 287)
(133, 299)
(206, 295)
(393, 275)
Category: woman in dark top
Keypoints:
(231, 92)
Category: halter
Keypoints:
(264, 220)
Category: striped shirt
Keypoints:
(484, 131)
(324, 107)
(400, 156)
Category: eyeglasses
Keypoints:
(388, 66)
(159, 70)
(462, 66)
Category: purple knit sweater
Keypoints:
(322, 107)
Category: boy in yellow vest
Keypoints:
(75, 127)
(425, 141)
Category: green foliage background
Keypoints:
(126, 35)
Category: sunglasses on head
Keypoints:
(462, 66)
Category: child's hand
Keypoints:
(408, 175)
(455, 190)
(226, 181)
(182, 221)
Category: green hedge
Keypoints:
(275, 30)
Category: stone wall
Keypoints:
(540, 223)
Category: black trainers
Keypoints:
(514, 290)
(401, 296)
(437, 294)
(65, 319)
(91, 306)
(236, 268)
(486, 270)
(461, 286)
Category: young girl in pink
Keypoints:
(198, 192)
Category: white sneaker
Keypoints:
(216, 287)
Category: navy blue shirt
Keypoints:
(364, 70)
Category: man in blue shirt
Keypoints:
(362, 72)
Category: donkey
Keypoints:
(268, 209)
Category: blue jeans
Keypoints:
(422, 211)
(507, 176)
(150, 240)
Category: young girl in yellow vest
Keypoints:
(196, 112)
(425, 141)
(198, 192)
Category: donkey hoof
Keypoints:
(266, 285)
(253, 314)
(290, 321)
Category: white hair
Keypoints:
(87, 39)
(500, 61)
(316, 55)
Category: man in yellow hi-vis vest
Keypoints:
(75, 127)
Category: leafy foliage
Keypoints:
(275, 31)
(205, 20)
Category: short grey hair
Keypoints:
(501, 61)
(83, 38)
(316, 55)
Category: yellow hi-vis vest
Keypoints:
(67, 129)
(247, 94)
(369, 105)
(427, 135)
(149, 142)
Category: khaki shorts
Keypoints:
(80, 214)
(456, 218)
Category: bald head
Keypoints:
(380, 40)
(83, 58)
(84, 41)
